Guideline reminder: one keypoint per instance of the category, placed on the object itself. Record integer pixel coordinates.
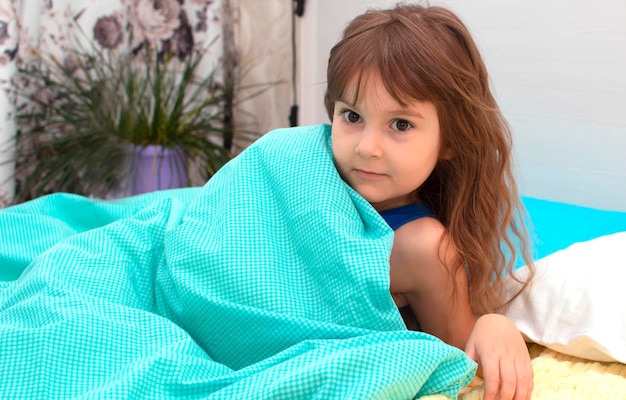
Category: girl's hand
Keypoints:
(501, 353)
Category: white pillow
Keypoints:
(576, 303)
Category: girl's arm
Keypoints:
(439, 298)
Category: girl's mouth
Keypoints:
(368, 174)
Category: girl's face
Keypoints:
(383, 150)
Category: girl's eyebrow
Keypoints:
(404, 111)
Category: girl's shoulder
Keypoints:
(420, 255)
(418, 235)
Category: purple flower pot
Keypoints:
(155, 167)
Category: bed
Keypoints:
(271, 281)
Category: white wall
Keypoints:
(559, 73)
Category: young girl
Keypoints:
(417, 132)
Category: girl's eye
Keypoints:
(351, 117)
(401, 125)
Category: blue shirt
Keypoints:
(396, 217)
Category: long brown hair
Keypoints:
(427, 54)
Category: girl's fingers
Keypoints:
(511, 379)
(508, 379)
(491, 377)
(525, 379)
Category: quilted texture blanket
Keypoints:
(271, 281)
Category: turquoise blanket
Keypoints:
(271, 281)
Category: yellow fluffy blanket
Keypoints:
(562, 377)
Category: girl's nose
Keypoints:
(369, 145)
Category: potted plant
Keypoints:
(89, 127)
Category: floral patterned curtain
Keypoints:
(8, 49)
(50, 27)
